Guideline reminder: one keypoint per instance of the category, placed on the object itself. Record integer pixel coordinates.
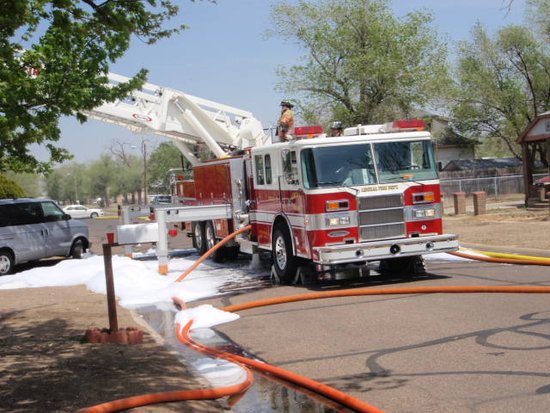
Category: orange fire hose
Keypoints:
(171, 396)
(211, 251)
(326, 391)
(233, 392)
(525, 289)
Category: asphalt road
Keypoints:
(417, 353)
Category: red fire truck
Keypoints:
(327, 203)
(319, 204)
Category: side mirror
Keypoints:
(66, 217)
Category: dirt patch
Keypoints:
(506, 228)
(45, 366)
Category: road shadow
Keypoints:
(47, 367)
(49, 262)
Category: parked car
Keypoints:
(161, 199)
(32, 229)
(81, 211)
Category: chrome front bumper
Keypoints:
(392, 248)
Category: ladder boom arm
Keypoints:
(183, 118)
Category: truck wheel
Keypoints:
(210, 236)
(6, 262)
(404, 267)
(231, 253)
(284, 261)
(198, 237)
(77, 250)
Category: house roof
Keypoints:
(538, 130)
(454, 139)
(493, 163)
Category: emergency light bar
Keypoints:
(406, 124)
(308, 131)
(402, 125)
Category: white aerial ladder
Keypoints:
(186, 120)
(183, 118)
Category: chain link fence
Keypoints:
(494, 186)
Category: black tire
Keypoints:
(210, 237)
(284, 260)
(231, 253)
(94, 215)
(199, 241)
(77, 249)
(403, 267)
(6, 262)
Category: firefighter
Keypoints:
(336, 129)
(286, 121)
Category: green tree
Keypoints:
(68, 184)
(10, 189)
(54, 186)
(103, 175)
(128, 179)
(129, 176)
(31, 183)
(55, 59)
(363, 64)
(502, 85)
(165, 157)
(539, 13)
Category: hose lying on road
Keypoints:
(182, 332)
(211, 251)
(514, 257)
(170, 396)
(499, 258)
(304, 382)
(524, 289)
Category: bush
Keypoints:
(9, 189)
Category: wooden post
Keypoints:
(548, 162)
(459, 199)
(480, 202)
(111, 298)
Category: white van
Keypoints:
(31, 229)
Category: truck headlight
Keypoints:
(338, 220)
(424, 213)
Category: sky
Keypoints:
(225, 56)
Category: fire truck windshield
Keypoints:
(368, 164)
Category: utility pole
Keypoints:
(144, 150)
(547, 187)
(73, 174)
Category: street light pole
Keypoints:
(75, 186)
(75, 190)
(144, 150)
